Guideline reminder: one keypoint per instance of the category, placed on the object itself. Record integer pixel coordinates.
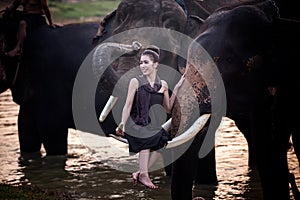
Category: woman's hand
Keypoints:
(120, 130)
(178, 85)
(56, 25)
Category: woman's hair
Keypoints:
(153, 52)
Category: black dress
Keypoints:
(143, 128)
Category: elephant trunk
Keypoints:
(202, 92)
(105, 61)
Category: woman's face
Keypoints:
(147, 66)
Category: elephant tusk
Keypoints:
(108, 107)
(178, 140)
(167, 125)
(121, 139)
(190, 133)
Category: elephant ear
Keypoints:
(198, 11)
(267, 7)
(204, 8)
(106, 26)
(197, 8)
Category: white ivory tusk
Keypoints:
(121, 139)
(190, 133)
(167, 125)
(108, 107)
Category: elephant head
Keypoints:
(133, 17)
(238, 39)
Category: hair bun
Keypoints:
(152, 51)
(154, 48)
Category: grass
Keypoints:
(77, 11)
(81, 11)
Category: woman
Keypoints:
(143, 128)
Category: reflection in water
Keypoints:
(86, 174)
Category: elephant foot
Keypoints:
(135, 177)
(27, 158)
(145, 180)
(55, 161)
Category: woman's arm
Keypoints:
(133, 86)
(169, 101)
(47, 12)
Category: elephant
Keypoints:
(41, 83)
(246, 41)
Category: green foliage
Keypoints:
(76, 10)
(80, 11)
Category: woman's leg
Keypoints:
(144, 178)
(153, 158)
(21, 37)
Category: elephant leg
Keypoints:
(183, 173)
(53, 127)
(29, 137)
(206, 172)
(272, 159)
(274, 173)
(245, 125)
(54, 136)
(168, 170)
(55, 141)
(184, 170)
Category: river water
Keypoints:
(89, 174)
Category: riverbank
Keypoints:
(29, 192)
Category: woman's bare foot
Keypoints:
(145, 180)
(135, 177)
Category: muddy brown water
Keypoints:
(89, 174)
